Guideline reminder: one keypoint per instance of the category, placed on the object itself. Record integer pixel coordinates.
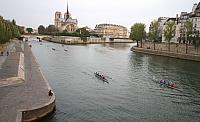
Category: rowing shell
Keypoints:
(168, 86)
(99, 77)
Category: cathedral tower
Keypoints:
(58, 17)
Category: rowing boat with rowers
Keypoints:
(168, 84)
(101, 77)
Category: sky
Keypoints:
(32, 13)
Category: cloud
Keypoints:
(32, 13)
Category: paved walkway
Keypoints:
(3, 58)
(25, 95)
(9, 66)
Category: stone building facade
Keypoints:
(180, 21)
(67, 23)
(111, 30)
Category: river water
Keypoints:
(131, 95)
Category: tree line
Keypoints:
(138, 33)
(8, 30)
(52, 30)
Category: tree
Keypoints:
(138, 32)
(41, 29)
(169, 32)
(189, 32)
(83, 32)
(30, 30)
(8, 30)
(21, 29)
(154, 33)
(51, 29)
(15, 29)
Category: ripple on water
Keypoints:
(131, 95)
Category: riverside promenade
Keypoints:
(23, 88)
(176, 50)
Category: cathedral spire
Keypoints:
(67, 11)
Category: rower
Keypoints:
(168, 83)
(173, 85)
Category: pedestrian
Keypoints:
(2, 53)
(50, 93)
(7, 53)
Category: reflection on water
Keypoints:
(131, 95)
(117, 45)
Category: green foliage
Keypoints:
(51, 29)
(169, 31)
(189, 28)
(83, 32)
(189, 32)
(21, 30)
(30, 30)
(138, 32)
(41, 29)
(8, 30)
(153, 33)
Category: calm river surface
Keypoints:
(131, 95)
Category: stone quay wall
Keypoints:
(22, 78)
(21, 67)
(74, 40)
(175, 51)
(78, 40)
(40, 111)
(174, 47)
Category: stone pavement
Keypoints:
(29, 94)
(9, 67)
(3, 58)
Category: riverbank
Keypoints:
(167, 54)
(84, 43)
(89, 40)
(23, 87)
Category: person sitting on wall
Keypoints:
(50, 93)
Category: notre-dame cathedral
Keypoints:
(67, 23)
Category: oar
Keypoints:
(108, 77)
